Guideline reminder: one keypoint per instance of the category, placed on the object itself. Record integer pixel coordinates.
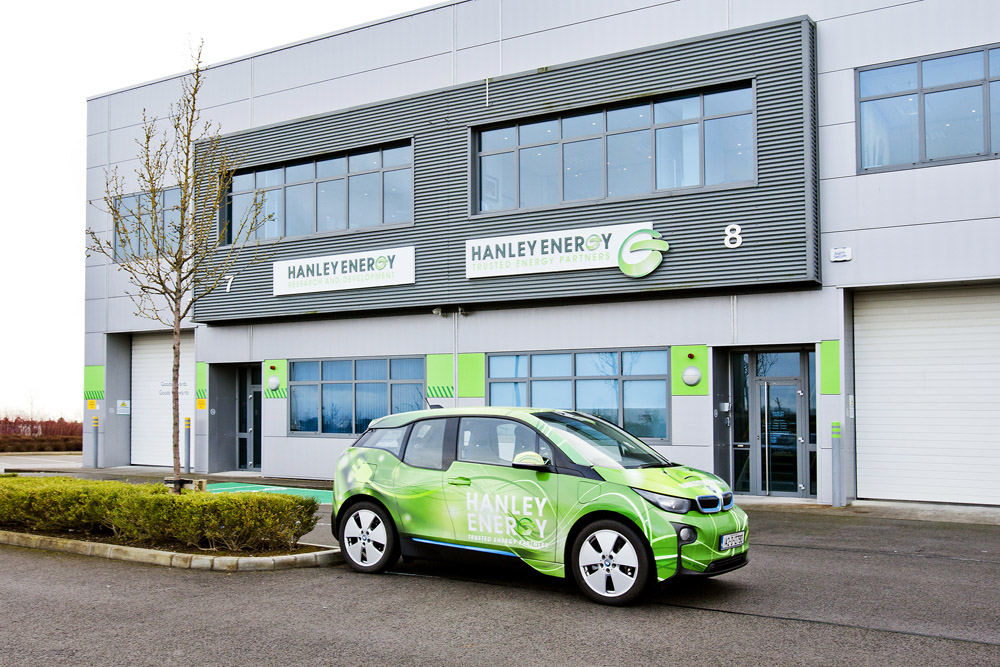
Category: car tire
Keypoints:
(610, 562)
(368, 538)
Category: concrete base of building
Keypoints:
(880, 509)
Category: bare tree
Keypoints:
(167, 233)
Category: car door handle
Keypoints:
(460, 481)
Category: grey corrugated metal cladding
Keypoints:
(778, 213)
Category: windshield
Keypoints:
(602, 443)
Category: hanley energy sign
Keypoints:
(359, 270)
(636, 249)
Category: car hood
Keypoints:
(679, 481)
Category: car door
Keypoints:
(495, 507)
(419, 481)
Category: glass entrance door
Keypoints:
(248, 427)
(772, 420)
(779, 437)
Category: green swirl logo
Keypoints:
(381, 262)
(593, 241)
(649, 262)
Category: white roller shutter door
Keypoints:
(151, 413)
(927, 383)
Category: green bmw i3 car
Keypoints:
(567, 493)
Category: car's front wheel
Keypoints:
(610, 563)
(368, 538)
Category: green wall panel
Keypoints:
(472, 375)
(93, 383)
(440, 376)
(679, 360)
(281, 370)
(829, 367)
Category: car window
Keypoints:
(497, 441)
(425, 447)
(389, 439)
(602, 443)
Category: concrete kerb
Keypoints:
(324, 558)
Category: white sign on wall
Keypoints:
(561, 250)
(359, 270)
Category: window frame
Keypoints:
(475, 131)
(920, 91)
(573, 378)
(225, 211)
(120, 255)
(319, 433)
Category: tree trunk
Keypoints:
(175, 398)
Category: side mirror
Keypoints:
(531, 461)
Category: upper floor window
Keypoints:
(930, 109)
(138, 211)
(352, 191)
(689, 141)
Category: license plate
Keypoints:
(732, 540)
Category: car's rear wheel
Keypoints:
(368, 538)
(610, 562)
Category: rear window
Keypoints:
(389, 439)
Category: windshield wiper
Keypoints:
(658, 464)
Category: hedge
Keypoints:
(149, 515)
(40, 443)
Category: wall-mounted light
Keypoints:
(273, 382)
(691, 376)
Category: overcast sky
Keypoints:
(55, 56)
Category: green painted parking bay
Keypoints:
(321, 496)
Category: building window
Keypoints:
(688, 141)
(625, 387)
(136, 207)
(346, 395)
(928, 110)
(334, 193)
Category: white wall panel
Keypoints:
(903, 31)
(912, 196)
(151, 396)
(478, 62)
(94, 287)
(927, 367)
(837, 157)
(97, 115)
(382, 45)
(94, 350)
(226, 84)
(126, 107)
(231, 117)
(521, 17)
(836, 97)
(477, 22)
(750, 12)
(95, 183)
(97, 150)
(94, 315)
(790, 317)
(920, 253)
(403, 79)
(621, 32)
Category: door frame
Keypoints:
(250, 438)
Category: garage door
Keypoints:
(927, 369)
(151, 413)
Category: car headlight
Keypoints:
(666, 503)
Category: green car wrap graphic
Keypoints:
(533, 513)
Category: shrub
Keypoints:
(147, 514)
(40, 443)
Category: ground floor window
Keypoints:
(346, 395)
(625, 387)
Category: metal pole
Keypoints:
(187, 444)
(93, 457)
